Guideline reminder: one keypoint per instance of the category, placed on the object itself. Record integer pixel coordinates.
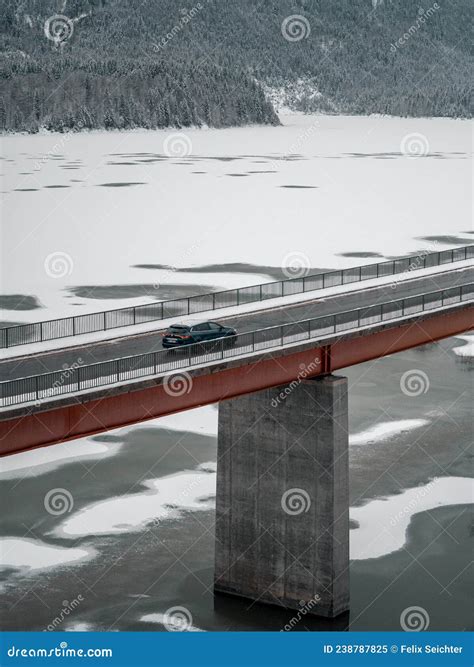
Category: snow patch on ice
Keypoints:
(383, 522)
(24, 553)
(166, 498)
(385, 430)
(44, 459)
(465, 350)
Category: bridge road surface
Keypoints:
(129, 345)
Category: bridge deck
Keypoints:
(94, 352)
(41, 390)
(102, 408)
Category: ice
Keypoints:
(385, 430)
(23, 553)
(383, 522)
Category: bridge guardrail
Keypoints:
(74, 379)
(66, 327)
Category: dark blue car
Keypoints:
(183, 334)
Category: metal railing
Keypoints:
(79, 378)
(124, 317)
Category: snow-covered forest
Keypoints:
(101, 64)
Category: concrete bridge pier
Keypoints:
(282, 507)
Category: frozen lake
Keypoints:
(95, 221)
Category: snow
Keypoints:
(165, 498)
(365, 186)
(465, 351)
(23, 553)
(386, 430)
(383, 522)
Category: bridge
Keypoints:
(282, 478)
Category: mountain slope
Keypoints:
(108, 63)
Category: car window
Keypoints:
(178, 329)
(214, 326)
(201, 327)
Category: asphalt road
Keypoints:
(150, 342)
